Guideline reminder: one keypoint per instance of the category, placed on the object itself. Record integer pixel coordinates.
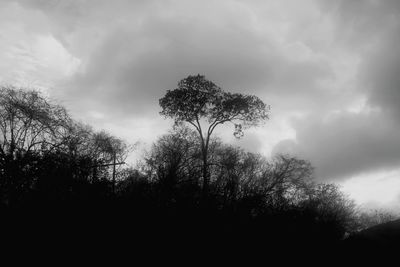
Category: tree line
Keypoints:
(189, 183)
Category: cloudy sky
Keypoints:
(330, 70)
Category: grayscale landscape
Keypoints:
(201, 128)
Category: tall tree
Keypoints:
(204, 105)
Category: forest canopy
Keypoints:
(51, 163)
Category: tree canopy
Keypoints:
(50, 163)
(29, 121)
(197, 99)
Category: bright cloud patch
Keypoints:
(375, 190)
(36, 61)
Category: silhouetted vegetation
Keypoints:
(203, 105)
(56, 176)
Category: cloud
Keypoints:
(353, 143)
(372, 29)
(134, 64)
(329, 69)
(128, 43)
(376, 190)
(347, 144)
(30, 56)
(380, 75)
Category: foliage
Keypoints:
(250, 199)
(197, 99)
(29, 122)
(40, 142)
(174, 156)
(249, 184)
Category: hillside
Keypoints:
(379, 238)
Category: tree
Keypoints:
(30, 125)
(175, 158)
(204, 105)
(109, 150)
(332, 208)
(28, 121)
(101, 146)
(287, 180)
(40, 143)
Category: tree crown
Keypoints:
(196, 98)
(28, 120)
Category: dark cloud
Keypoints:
(372, 28)
(354, 143)
(360, 22)
(381, 74)
(346, 144)
(134, 64)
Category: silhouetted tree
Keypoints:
(234, 170)
(101, 147)
(29, 121)
(286, 180)
(40, 145)
(332, 209)
(174, 157)
(29, 125)
(109, 150)
(197, 100)
(277, 183)
(47, 161)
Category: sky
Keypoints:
(330, 69)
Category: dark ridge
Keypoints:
(385, 235)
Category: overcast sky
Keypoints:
(329, 69)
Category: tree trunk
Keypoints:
(205, 175)
(113, 174)
(204, 151)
